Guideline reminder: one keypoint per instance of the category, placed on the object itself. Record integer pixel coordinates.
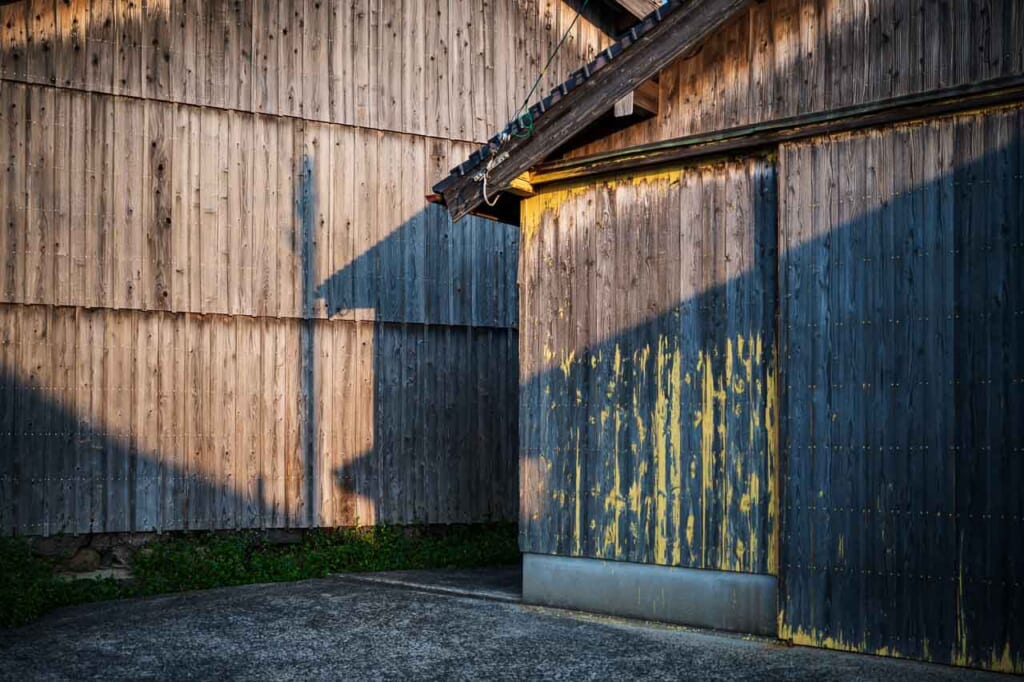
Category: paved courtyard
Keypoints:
(402, 626)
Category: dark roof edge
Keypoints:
(523, 124)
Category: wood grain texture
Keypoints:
(125, 420)
(785, 58)
(446, 68)
(898, 314)
(647, 369)
(223, 302)
(209, 215)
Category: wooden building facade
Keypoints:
(770, 338)
(224, 302)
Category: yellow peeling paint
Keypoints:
(771, 427)
(566, 363)
(577, 529)
(707, 441)
(663, 492)
(675, 453)
(661, 419)
(1001, 661)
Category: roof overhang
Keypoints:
(481, 183)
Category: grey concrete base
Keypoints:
(740, 602)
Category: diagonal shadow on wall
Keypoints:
(440, 297)
(899, 399)
(64, 472)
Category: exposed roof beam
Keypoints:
(642, 101)
(638, 8)
(683, 30)
(769, 134)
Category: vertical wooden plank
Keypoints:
(152, 462)
(102, 45)
(160, 206)
(436, 102)
(63, 190)
(265, 57)
(77, 185)
(130, 34)
(359, 51)
(343, 425)
(290, 47)
(338, 35)
(157, 49)
(98, 448)
(15, 196)
(214, 56)
(168, 421)
(69, 41)
(288, 275)
(80, 450)
(13, 41)
(238, 47)
(182, 273)
(315, 83)
(278, 512)
(29, 470)
(266, 233)
(130, 174)
(41, 29)
(38, 263)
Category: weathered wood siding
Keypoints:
(647, 418)
(117, 420)
(224, 302)
(901, 323)
(787, 57)
(122, 203)
(447, 68)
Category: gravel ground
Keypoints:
(431, 625)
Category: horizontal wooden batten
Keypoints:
(751, 137)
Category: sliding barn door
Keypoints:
(647, 346)
(901, 330)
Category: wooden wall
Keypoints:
(902, 321)
(454, 69)
(224, 301)
(647, 413)
(787, 57)
(149, 205)
(118, 420)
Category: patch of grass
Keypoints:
(192, 561)
(29, 588)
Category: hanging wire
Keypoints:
(526, 101)
(551, 58)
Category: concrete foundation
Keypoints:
(740, 602)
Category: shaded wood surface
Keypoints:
(124, 420)
(225, 301)
(647, 415)
(901, 325)
(785, 58)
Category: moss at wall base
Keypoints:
(32, 584)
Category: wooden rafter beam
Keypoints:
(682, 31)
(638, 8)
(769, 134)
(643, 100)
